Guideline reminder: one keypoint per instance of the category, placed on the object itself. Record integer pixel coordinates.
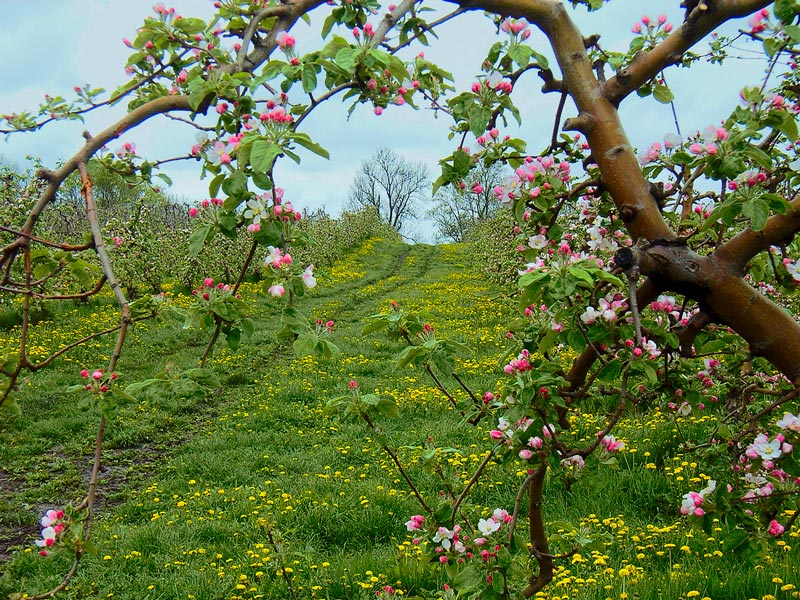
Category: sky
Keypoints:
(53, 45)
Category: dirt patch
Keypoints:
(12, 532)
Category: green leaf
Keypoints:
(388, 408)
(777, 203)
(663, 94)
(80, 271)
(772, 46)
(189, 26)
(327, 25)
(303, 140)
(374, 325)
(198, 90)
(682, 158)
(498, 582)
(11, 407)
(783, 122)
(214, 185)
(651, 374)
(793, 31)
(233, 337)
(123, 395)
(787, 10)
(582, 275)
(408, 356)
(479, 117)
(248, 327)
(263, 155)
(610, 371)
(757, 210)
(758, 156)
(235, 184)
(520, 54)
(576, 340)
(262, 180)
(346, 58)
(531, 278)
(305, 344)
(468, 578)
(732, 166)
(199, 237)
(309, 78)
(735, 540)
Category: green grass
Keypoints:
(194, 488)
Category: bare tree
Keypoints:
(392, 185)
(459, 208)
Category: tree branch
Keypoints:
(597, 117)
(727, 298)
(699, 24)
(779, 230)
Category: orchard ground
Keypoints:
(252, 491)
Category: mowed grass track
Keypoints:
(253, 492)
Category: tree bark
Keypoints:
(715, 281)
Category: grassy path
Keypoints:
(216, 475)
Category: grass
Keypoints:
(236, 494)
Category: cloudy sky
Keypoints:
(52, 45)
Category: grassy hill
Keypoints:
(253, 491)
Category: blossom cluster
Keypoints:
(98, 383)
(279, 262)
(758, 22)
(692, 501)
(53, 525)
(209, 290)
(519, 364)
(457, 545)
(536, 176)
(211, 204)
(516, 28)
(646, 24)
(759, 472)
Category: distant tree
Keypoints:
(459, 208)
(392, 185)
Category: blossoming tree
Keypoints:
(661, 279)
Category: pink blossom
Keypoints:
(611, 444)
(277, 291)
(536, 442)
(775, 528)
(308, 277)
(576, 461)
(285, 41)
(415, 522)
